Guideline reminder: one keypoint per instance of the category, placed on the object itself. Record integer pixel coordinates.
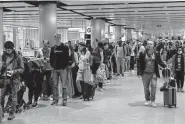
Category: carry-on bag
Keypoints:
(169, 94)
(170, 98)
(88, 91)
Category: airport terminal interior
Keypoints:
(122, 99)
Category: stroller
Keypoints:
(20, 101)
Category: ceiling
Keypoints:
(163, 15)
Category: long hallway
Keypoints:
(122, 102)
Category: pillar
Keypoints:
(15, 38)
(137, 35)
(118, 34)
(98, 30)
(1, 31)
(129, 34)
(47, 22)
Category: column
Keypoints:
(15, 38)
(1, 31)
(98, 30)
(118, 33)
(48, 22)
(129, 34)
(137, 35)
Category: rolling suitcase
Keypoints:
(169, 95)
(88, 91)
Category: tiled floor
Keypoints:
(120, 103)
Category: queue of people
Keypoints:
(72, 66)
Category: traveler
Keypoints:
(59, 60)
(11, 69)
(45, 54)
(148, 69)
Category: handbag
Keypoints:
(101, 75)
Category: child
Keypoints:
(178, 69)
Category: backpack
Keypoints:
(124, 52)
(128, 50)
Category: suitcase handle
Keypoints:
(166, 77)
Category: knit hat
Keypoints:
(9, 45)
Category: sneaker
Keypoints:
(101, 89)
(182, 90)
(117, 75)
(51, 98)
(54, 102)
(154, 104)
(108, 81)
(147, 103)
(11, 116)
(35, 104)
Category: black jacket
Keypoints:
(59, 57)
(142, 64)
(174, 63)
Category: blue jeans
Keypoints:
(149, 80)
(63, 79)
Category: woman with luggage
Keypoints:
(98, 58)
(84, 66)
(178, 69)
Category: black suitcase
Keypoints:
(170, 97)
(88, 91)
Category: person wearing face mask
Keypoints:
(148, 69)
(12, 68)
(178, 69)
